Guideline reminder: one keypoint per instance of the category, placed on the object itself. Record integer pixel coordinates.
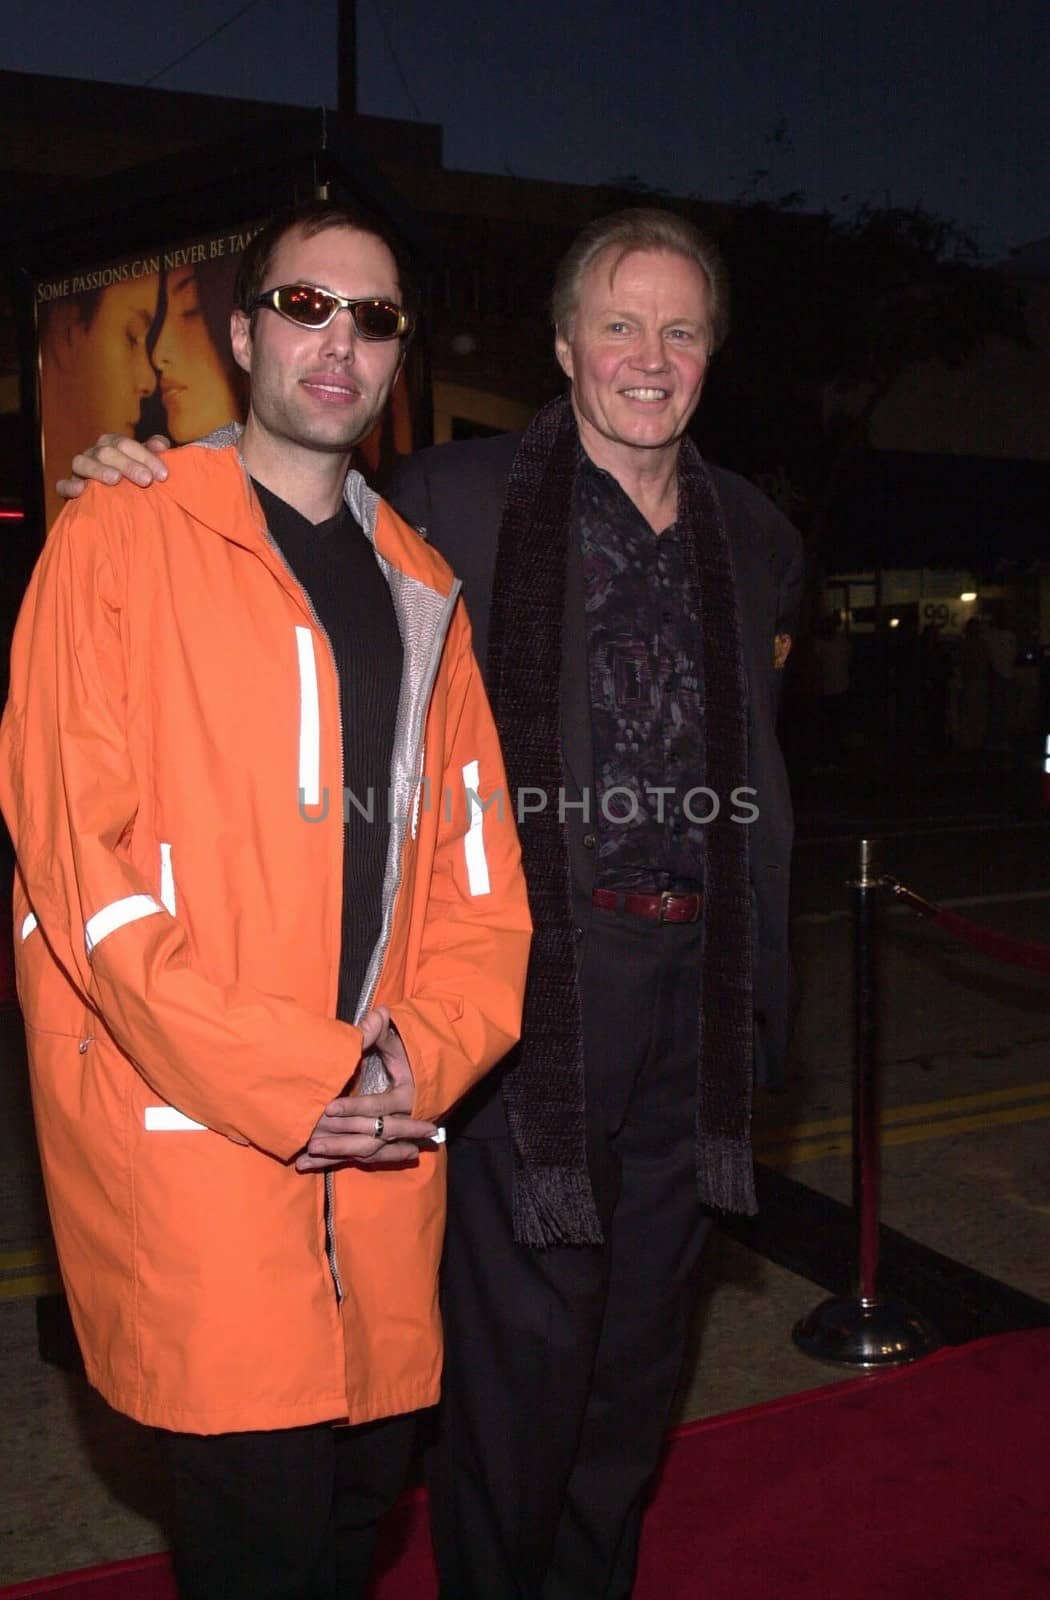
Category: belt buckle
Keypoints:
(667, 895)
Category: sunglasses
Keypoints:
(310, 307)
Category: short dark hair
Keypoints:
(640, 228)
(309, 218)
(84, 306)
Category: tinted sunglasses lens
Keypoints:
(376, 319)
(314, 308)
(310, 307)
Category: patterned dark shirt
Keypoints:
(646, 692)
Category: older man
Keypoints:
(630, 596)
(223, 937)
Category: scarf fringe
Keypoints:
(554, 1205)
(725, 1175)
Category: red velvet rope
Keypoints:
(1000, 946)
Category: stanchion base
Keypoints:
(868, 1334)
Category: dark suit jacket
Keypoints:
(454, 494)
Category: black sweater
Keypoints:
(336, 565)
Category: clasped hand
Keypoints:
(371, 1130)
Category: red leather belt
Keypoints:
(666, 907)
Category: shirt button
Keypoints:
(577, 933)
(589, 841)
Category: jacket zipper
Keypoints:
(375, 966)
(329, 1223)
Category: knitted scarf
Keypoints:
(544, 1086)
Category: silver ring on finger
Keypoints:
(380, 1125)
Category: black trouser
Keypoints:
(287, 1515)
(561, 1364)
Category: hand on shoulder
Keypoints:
(114, 457)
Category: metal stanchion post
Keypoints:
(867, 1088)
(862, 1330)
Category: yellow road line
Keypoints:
(785, 1154)
(29, 1287)
(896, 1114)
(30, 1255)
(28, 1271)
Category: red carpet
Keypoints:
(923, 1484)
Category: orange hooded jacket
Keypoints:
(171, 771)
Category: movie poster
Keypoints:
(141, 345)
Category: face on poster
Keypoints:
(138, 346)
(141, 345)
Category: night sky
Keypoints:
(943, 102)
